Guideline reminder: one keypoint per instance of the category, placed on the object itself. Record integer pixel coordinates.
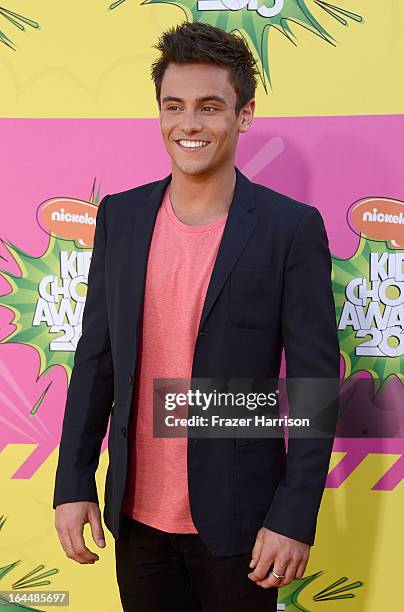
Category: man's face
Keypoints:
(197, 117)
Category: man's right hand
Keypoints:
(70, 519)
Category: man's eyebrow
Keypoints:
(212, 98)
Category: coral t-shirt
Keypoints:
(179, 267)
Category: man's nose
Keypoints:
(191, 122)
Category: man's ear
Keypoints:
(246, 116)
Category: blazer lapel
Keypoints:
(239, 225)
(139, 240)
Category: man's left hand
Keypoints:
(283, 555)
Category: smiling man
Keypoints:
(200, 274)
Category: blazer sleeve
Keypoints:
(310, 338)
(91, 391)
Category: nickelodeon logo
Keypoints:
(379, 219)
(65, 217)
(69, 218)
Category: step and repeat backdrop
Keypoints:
(78, 119)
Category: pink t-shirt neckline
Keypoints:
(207, 227)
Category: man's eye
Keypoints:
(173, 107)
(211, 108)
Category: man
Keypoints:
(200, 274)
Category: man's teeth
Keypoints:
(192, 144)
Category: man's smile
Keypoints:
(192, 145)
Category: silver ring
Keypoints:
(278, 576)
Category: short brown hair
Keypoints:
(197, 42)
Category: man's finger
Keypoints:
(264, 563)
(96, 529)
(66, 543)
(289, 573)
(279, 566)
(69, 549)
(256, 551)
(301, 568)
(82, 553)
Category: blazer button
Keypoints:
(131, 379)
(123, 430)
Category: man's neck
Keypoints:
(201, 199)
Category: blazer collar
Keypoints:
(239, 226)
(242, 197)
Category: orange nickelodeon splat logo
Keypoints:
(379, 219)
(69, 218)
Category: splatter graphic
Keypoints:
(289, 595)
(46, 314)
(254, 20)
(47, 293)
(369, 300)
(17, 21)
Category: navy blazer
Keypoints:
(270, 288)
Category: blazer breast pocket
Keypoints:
(255, 297)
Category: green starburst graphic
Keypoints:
(47, 293)
(254, 20)
(369, 310)
(289, 595)
(34, 578)
(18, 21)
(23, 298)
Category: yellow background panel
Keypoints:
(87, 61)
(358, 537)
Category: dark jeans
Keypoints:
(172, 572)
